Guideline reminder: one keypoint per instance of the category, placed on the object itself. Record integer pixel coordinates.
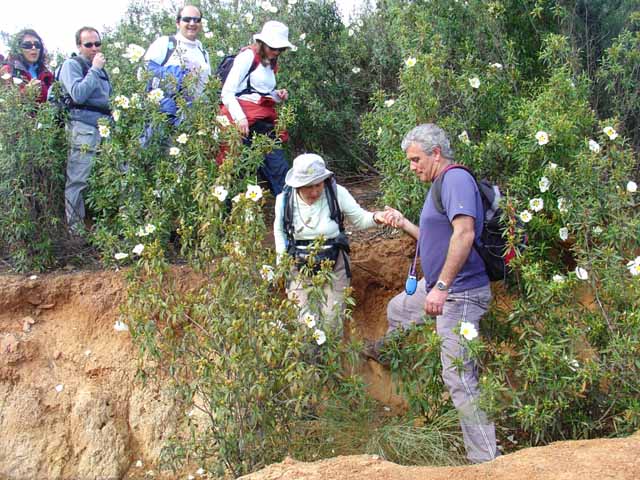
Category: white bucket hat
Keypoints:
(274, 34)
(308, 169)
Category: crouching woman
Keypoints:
(313, 205)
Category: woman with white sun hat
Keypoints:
(249, 96)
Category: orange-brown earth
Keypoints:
(71, 407)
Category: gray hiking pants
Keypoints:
(83, 143)
(404, 310)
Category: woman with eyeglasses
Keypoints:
(26, 65)
(249, 96)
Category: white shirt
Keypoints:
(263, 79)
(311, 221)
(189, 54)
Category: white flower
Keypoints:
(610, 132)
(138, 249)
(294, 49)
(303, 36)
(309, 320)
(121, 101)
(468, 330)
(273, 9)
(237, 198)
(156, 193)
(17, 81)
(543, 184)
(632, 187)
(223, 120)
(39, 126)
(142, 232)
(200, 471)
(597, 230)
(220, 53)
(581, 273)
(6, 76)
(350, 32)
(634, 266)
(139, 464)
(410, 62)
(149, 228)
(265, 5)
(389, 103)
(220, 193)
(53, 63)
(292, 2)
(594, 146)
(464, 137)
(155, 95)
(562, 205)
(536, 204)
(552, 166)
(120, 326)
(355, 70)
(542, 137)
(497, 66)
(474, 82)
(526, 216)
(563, 233)
(117, 44)
(115, 114)
(174, 151)
(379, 131)
(59, 388)
(254, 192)
(134, 53)
(558, 278)
(266, 272)
(208, 35)
(248, 17)
(120, 256)
(319, 336)
(104, 131)
(182, 138)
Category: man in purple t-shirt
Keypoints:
(455, 287)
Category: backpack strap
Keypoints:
(331, 191)
(247, 77)
(436, 186)
(171, 47)
(287, 216)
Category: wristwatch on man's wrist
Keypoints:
(443, 287)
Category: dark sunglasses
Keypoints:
(281, 49)
(191, 19)
(30, 45)
(91, 44)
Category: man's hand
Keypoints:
(434, 303)
(243, 126)
(283, 94)
(393, 217)
(98, 61)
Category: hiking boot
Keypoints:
(371, 351)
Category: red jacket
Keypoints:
(16, 68)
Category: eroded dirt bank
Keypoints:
(71, 407)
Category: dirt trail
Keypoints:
(71, 407)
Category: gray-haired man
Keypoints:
(455, 287)
(87, 83)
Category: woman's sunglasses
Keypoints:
(281, 49)
(30, 45)
(91, 44)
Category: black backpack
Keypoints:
(225, 65)
(492, 246)
(297, 249)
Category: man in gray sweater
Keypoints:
(87, 83)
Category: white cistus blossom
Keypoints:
(308, 320)
(174, 151)
(634, 266)
(594, 146)
(464, 137)
(581, 273)
(182, 138)
(155, 95)
(542, 137)
(410, 62)
(632, 187)
(254, 192)
(138, 249)
(474, 82)
(267, 273)
(610, 132)
(120, 256)
(526, 216)
(536, 204)
(104, 131)
(558, 278)
(220, 193)
(134, 53)
(468, 330)
(389, 103)
(563, 233)
(543, 184)
(319, 336)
